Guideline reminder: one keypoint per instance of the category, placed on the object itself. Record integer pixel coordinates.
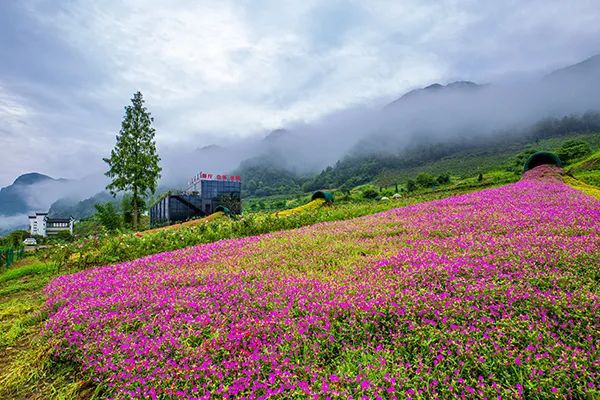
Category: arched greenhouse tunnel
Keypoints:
(542, 158)
(320, 194)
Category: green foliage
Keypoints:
(411, 185)
(133, 163)
(28, 369)
(112, 248)
(127, 208)
(425, 180)
(573, 149)
(348, 185)
(88, 227)
(28, 269)
(262, 176)
(480, 177)
(108, 216)
(459, 157)
(231, 201)
(15, 238)
(519, 159)
(79, 209)
(442, 179)
(63, 236)
(370, 194)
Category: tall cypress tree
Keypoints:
(133, 163)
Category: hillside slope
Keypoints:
(458, 297)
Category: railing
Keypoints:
(9, 255)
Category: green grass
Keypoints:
(27, 369)
(587, 170)
(28, 269)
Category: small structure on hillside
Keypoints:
(321, 194)
(542, 158)
(42, 225)
(206, 194)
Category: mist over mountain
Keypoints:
(13, 198)
(35, 192)
(455, 115)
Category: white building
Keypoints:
(40, 224)
(37, 224)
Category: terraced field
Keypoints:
(488, 294)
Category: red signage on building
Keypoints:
(214, 177)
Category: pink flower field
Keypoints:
(493, 294)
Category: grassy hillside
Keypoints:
(587, 170)
(459, 297)
(460, 160)
(31, 370)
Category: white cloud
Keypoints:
(236, 70)
(233, 68)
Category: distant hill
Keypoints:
(13, 198)
(441, 122)
(79, 209)
(589, 67)
(459, 157)
(435, 89)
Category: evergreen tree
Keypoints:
(133, 163)
(108, 216)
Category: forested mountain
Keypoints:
(80, 208)
(355, 170)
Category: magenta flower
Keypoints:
(457, 292)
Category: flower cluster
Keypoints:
(491, 294)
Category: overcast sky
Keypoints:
(217, 70)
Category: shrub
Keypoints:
(370, 194)
(425, 180)
(573, 149)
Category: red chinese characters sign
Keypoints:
(214, 177)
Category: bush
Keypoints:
(370, 194)
(425, 180)
(108, 216)
(64, 236)
(443, 179)
(573, 149)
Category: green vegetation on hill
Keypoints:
(587, 170)
(463, 161)
(263, 176)
(109, 248)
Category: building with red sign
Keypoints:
(206, 193)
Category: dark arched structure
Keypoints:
(542, 158)
(224, 209)
(328, 196)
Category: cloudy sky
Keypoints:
(215, 71)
